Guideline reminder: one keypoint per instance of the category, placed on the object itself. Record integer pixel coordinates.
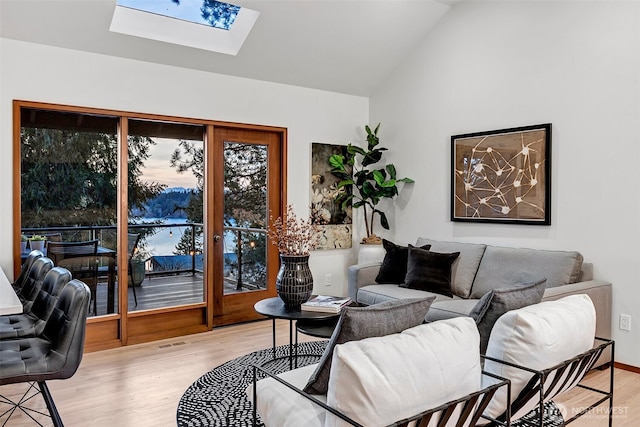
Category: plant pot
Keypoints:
(294, 282)
(370, 253)
(23, 247)
(37, 245)
(137, 273)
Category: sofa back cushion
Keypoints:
(464, 268)
(502, 267)
(440, 363)
(539, 337)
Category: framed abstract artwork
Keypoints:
(502, 176)
(333, 220)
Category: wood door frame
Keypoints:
(115, 330)
(229, 309)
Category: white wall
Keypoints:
(40, 73)
(494, 65)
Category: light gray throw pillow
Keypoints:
(356, 323)
(497, 302)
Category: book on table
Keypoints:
(326, 304)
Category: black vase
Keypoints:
(294, 282)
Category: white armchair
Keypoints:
(545, 350)
(431, 372)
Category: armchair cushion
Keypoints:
(429, 271)
(282, 407)
(394, 264)
(539, 337)
(357, 323)
(440, 363)
(499, 301)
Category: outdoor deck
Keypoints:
(163, 291)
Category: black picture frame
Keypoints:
(502, 176)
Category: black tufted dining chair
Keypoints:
(32, 322)
(31, 286)
(53, 354)
(24, 271)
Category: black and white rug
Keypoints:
(218, 398)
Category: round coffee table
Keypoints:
(274, 308)
(322, 328)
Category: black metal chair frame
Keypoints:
(71, 250)
(132, 240)
(471, 406)
(30, 393)
(546, 384)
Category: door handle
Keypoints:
(216, 237)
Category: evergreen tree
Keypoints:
(69, 178)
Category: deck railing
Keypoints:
(244, 258)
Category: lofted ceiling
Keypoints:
(346, 46)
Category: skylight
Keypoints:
(203, 24)
(207, 12)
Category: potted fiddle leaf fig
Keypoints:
(365, 184)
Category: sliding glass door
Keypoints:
(179, 208)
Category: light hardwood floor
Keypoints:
(141, 385)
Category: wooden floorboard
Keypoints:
(140, 385)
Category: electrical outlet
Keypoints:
(625, 322)
(327, 279)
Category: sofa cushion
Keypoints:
(464, 269)
(501, 267)
(375, 294)
(448, 309)
(440, 362)
(538, 336)
(498, 301)
(429, 271)
(357, 323)
(279, 406)
(394, 264)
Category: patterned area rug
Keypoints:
(218, 398)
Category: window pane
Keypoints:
(69, 190)
(245, 217)
(166, 212)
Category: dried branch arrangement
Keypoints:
(293, 235)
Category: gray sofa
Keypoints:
(480, 268)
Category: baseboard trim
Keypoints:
(627, 367)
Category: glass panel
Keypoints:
(208, 12)
(69, 193)
(245, 217)
(166, 214)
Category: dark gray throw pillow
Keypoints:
(394, 264)
(497, 302)
(356, 323)
(429, 271)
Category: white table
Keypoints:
(9, 301)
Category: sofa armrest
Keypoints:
(361, 275)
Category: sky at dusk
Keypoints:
(158, 169)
